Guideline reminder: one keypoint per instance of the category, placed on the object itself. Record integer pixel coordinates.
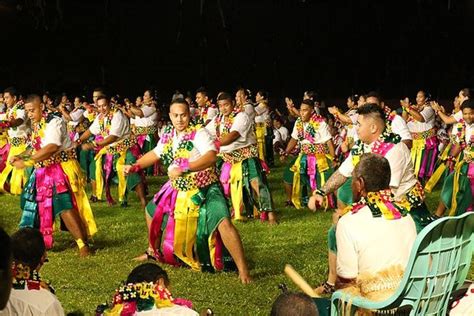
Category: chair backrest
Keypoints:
(439, 263)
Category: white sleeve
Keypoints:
(241, 124)
(398, 158)
(249, 109)
(354, 117)
(212, 113)
(21, 114)
(294, 133)
(211, 128)
(119, 125)
(458, 116)
(347, 167)
(76, 115)
(53, 132)
(277, 136)
(148, 110)
(55, 309)
(94, 128)
(427, 113)
(324, 133)
(158, 150)
(347, 260)
(399, 127)
(260, 109)
(203, 141)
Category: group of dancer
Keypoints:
(216, 156)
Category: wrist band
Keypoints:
(320, 192)
(135, 168)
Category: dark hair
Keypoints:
(246, 92)
(180, 101)
(224, 96)
(28, 247)
(289, 304)
(203, 91)
(468, 104)
(374, 94)
(147, 272)
(81, 99)
(103, 97)
(99, 89)
(373, 110)
(263, 93)
(5, 250)
(313, 95)
(426, 94)
(375, 170)
(32, 97)
(308, 102)
(354, 98)
(12, 91)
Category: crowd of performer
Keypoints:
(216, 152)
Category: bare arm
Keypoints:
(415, 114)
(330, 144)
(45, 152)
(108, 140)
(204, 162)
(136, 111)
(291, 145)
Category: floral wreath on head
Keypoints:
(311, 128)
(135, 297)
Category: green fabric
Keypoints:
(332, 245)
(149, 145)
(252, 171)
(287, 173)
(132, 179)
(344, 194)
(86, 157)
(464, 197)
(62, 202)
(323, 305)
(421, 216)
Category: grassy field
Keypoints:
(82, 284)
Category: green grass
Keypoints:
(82, 284)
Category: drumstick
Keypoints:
(299, 281)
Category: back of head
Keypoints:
(28, 247)
(375, 170)
(294, 304)
(372, 110)
(147, 272)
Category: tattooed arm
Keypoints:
(335, 181)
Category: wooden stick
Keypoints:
(299, 281)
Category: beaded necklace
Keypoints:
(184, 148)
(308, 133)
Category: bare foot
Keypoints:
(272, 218)
(84, 252)
(148, 255)
(245, 278)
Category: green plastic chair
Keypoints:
(439, 263)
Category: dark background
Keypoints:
(286, 47)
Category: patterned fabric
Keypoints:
(240, 154)
(381, 204)
(144, 130)
(195, 180)
(312, 149)
(17, 141)
(122, 145)
(57, 158)
(424, 135)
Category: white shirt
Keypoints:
(322, 134)
(22, 130)
(367, 244)
(469, 132)
(281, 135)
(458, 116)
(250, 110)
(149, 117)
(243, 125)
(202, 144)
(75, 115)
(32, 303)
(119, 126)
(402, 172)
(175, 310)
(262, 113)
(417, 127)
(56, 133)
(399, 126)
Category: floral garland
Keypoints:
(381, 146)
(309, 132)
(181, 156)
(105, 121)
(135, 297)
(25, 279)
(460, 133)
(381, 204)
(228, 122)
(38, 131)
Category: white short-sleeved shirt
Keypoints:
(119, 126)
(281, 135)
(399, 127)
(321, 137)
(262, 113)
(469, 132)
(56, 133)
(175, 310)
(250, 111)
(402, 172)
(417, 127)
(458, 116)
(362, 243)
(32, 303)
(149, 117)
(202, 144)
(243, 125)
(22, 130)
(76, 115)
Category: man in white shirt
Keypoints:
(30, 296)
(206, 111)
(365, 231)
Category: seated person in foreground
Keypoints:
(30, 295)
(146, 292)
(375, 236)
(294, 304)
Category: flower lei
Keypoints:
(228, 121)
(460, 133)
(181, 156)
(25, 279)
(309, 132)
(135, 297)
(105, 121)
(381, 204)
(38, 131)
(381, 146)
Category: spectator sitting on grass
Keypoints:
(146, 292)
(30, 295)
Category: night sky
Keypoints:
(286, 47)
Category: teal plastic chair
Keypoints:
(439, 263)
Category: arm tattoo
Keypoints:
(334, 182)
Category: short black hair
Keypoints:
(224, 96)
(28, 247)
(263, 93)
(5, 250)
(180, 101)
(289, 304)
(374, 94)
(468, 104)
(373, 110)
(103, 97)
(12, 91)
(203, 91)
(32, 98)
(308, 102)
(147, 272)
(375, 170)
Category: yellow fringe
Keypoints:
(18, 176)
